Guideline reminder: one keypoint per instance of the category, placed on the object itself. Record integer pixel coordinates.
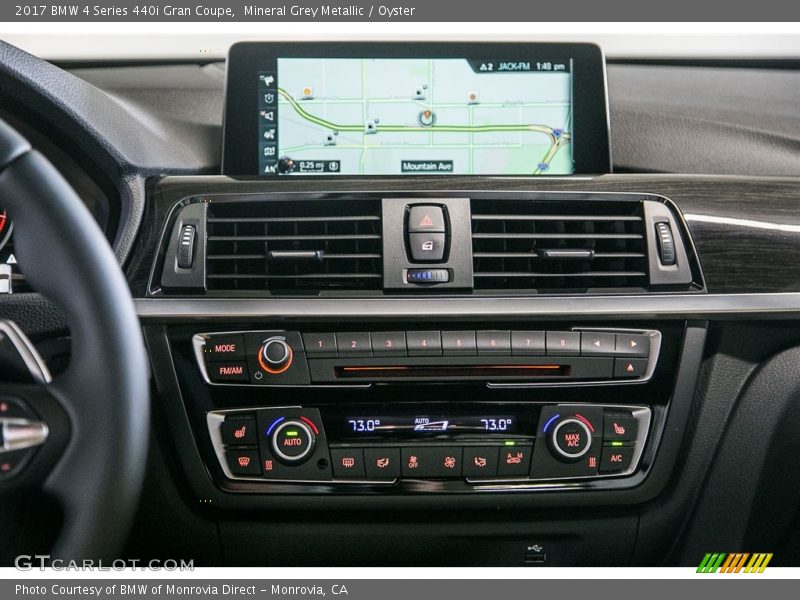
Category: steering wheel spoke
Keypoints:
(84, 440)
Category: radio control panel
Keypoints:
(537, 357)
(479, 445)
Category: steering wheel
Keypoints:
(82, 437)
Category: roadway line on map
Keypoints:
(556, 141)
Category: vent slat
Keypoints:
(583, 218)
(538, 246)
(557, 236)
(308, 246)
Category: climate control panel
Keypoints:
(478, 445)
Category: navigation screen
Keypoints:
(413, 109)
(416, 116)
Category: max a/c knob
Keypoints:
(275, 355)
(570, 440)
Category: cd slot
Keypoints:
(458, 368)
(425, 371)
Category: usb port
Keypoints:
(536, 558)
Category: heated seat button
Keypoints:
(619, 427)
(228, 371)
(320, 345)
(243, 462)
(224, 347)
(494, 342)
(427, 247)
(515, 461)
(239, 432)
(616, 458)
(629, 367)
(424, 343)
(431, 462)
(348, 463)
(382, 463)
(480, 461)
(563, 343)
(426, 219)
(458, 343)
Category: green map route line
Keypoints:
(556, 141)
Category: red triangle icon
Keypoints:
(426, 222)
(629, 368)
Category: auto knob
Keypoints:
(570, 439)
(293, 442)
(275, 355)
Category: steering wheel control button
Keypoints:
(616, 459)
(480, 461)
(228, 372)
(597, 344)
(424, 343)
(632, 345)
(239, 432)
(293, 441)
(515, 461)
(563, 343)
(459, 343)
(528, 343)
(431, 462)
(12, 463)
(12, 408)
(348, 463)
(625, 368)
(224, 347)
(388, 343)
(426, 219)
(275, 356)
(243, 463)
(320, 345)
(494, 342)
(382, 463)
(619, 427)
(354, 345)
(570, 439)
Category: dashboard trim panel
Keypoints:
(783, 304)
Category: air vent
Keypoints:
(294, 246)
(564, 246)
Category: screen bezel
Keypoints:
(591, 156)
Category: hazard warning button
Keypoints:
(425, 218)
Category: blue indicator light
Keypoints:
(550, 421)
(274, 423)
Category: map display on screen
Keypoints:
(416, 116)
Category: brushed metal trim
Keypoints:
(27, 351)
(648, 306)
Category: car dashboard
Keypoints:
(592, 369)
